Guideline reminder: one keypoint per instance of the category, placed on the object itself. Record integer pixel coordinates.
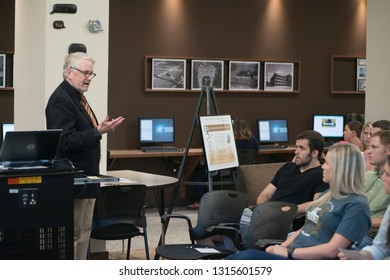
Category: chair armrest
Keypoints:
(230, 231)
(234, 225)
(165, 218)
(264, 243)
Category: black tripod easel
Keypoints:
(208, 93)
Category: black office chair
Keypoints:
(216, 207)
(270, 224)
(246, 156)
(119, 214)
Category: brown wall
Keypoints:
(304, 30)
(299, 30)
(7, 18)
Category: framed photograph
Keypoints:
(207, 73)
(168, 74)
(278, 76)
(2, 70)
(361, 62)
(361, 72)
(361, 83)
(244, 75)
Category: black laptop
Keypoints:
(30, 148)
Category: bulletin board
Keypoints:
(218, 141)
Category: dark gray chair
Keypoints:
(120, 214)
(216, 207)
(270, 222)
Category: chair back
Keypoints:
(120, 204)
(270, 220)
(246, 156)
(216, 207)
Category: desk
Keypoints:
(117, 154)
(194, 155)
(152, 181)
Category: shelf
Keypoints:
(344, 75)
(175, 74)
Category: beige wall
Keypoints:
(378, 60)
(39, 53)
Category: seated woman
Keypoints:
(338, 219)
(365, 139)
(352, 131)
(380, 248)
(243, 135)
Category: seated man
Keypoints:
(378, 200)
(298, 182)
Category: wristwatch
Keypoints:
(290, 251)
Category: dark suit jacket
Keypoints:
(80, 141)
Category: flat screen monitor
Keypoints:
(330, 126)
(156, 130)
(5, 127)
(272, 131)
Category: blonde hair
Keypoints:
(347, 176)
(73, 59)
(363, 145)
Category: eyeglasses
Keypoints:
(86, 74)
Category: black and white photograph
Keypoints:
(244, 75)
(279, 76)
(2, 70)
(361, 84)
(361, 74)
(361, 62)
(207, 73)
(169, 74)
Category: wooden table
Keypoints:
(153, 181)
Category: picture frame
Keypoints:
(278, 76)
(361, 62)
(2, 70)
(361, 74)
(168, 74)
(361, 85)
(244, 75)
(207, 73)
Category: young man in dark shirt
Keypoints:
(300, 181)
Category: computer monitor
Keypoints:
(272, 131)
(5, 127)
(331, 127)
(156, 130)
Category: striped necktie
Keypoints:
(89, 110)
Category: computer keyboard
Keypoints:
(271, 147)
(159, 149)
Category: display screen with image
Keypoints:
(330, 126)
(272, 131)
(7, 127)
(156, 130)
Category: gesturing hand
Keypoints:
(107, 125)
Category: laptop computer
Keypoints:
(29, 148)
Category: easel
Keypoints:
(207, 92)
(210, 96)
